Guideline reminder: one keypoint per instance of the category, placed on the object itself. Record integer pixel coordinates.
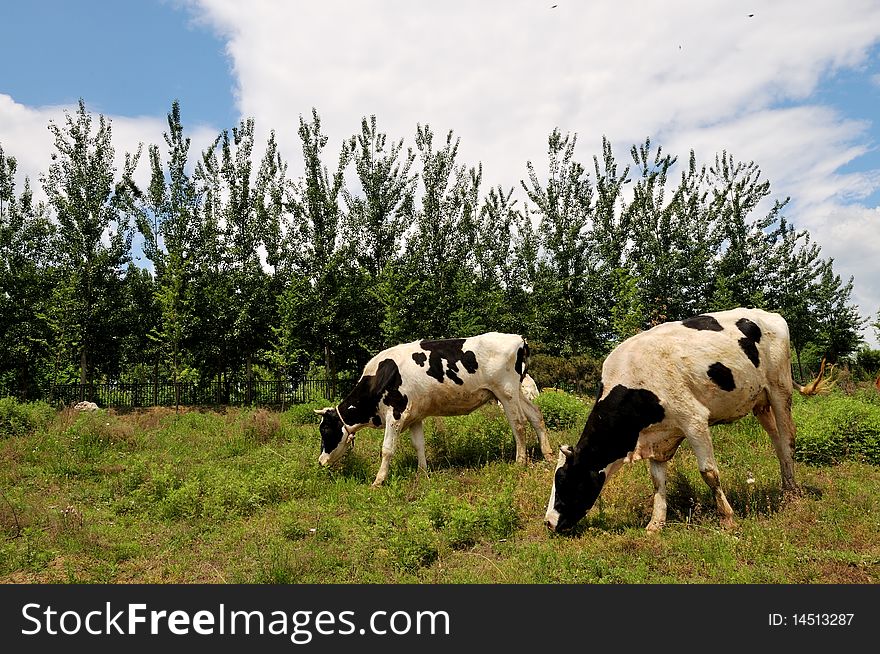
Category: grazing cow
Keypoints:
(668, 384)
(404, 384)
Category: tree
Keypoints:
(375, 224)
(790, 280)
(232, 284)
(93, 212)
(564, 284)
(319, 309)
(737, 189)
(502, 230)
(26, 279)
(439, 252)
(169, 211)
(839, 324)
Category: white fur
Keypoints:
(671, 361)
(494, 378)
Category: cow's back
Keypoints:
(725, 360)
(455, 376)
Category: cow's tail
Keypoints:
(822, 384)
(522, 359)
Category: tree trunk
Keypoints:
(83, 367)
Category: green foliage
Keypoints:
(255, 271)
(576, 373)
(414, 545)
(868, 362)
(492, 520)
(21, 419)
(304, 414)
(561, 410)
(838, 429)
(470, 440)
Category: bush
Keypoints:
(836, 429)
(493, 520)
(414, 546)
(470, 440)
(562, 410)
(20, 419)
(259, 425)
(579, 373)
(304, 414)
(868, 361)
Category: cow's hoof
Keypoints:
(377, 483)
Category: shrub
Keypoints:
(492, 520)
(414, 546)
(470, 440)
(259, 425)
(304, 414)
(580, 373)
(20, 419)
(561, 410)
(836, 429)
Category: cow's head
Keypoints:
(575, 490)
(336, 440)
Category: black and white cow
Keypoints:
(404, 384)
(671, 383)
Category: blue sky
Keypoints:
(794, 88)
(124, 58)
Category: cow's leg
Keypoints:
(417, 434)
(389, 444)
(517, 419)
(533, 413)
(778, 423)
(700, 439)
(658, 515)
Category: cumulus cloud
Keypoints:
(25, 135)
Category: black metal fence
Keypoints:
(237, 393)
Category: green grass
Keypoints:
(238, 497)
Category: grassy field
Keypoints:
(158, 496)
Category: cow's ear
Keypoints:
(566, 450)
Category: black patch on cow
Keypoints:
(452, 350)
(703, 322)
(751, 337)
(722, 376)
(331, 431)
(420, 358)
(361, 405)
(611, 432)
(522, 359)
(377, 421)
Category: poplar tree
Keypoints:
(93, 210)
(26, 279)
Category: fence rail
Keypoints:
(134, 395)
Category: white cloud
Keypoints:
(25, 135)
